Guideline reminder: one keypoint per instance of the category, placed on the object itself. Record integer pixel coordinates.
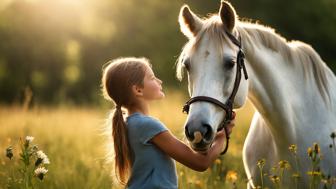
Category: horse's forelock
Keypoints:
(214, 29)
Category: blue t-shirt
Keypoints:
(151, 167)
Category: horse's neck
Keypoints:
(269, 88)
(280, 92)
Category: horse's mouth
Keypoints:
(201, 146)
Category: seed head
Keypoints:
(9, 152)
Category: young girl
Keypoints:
(143, 146)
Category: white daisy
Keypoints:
(40, 172)
(41, 154)
(46, 160)
(29, 139)
(43, 157)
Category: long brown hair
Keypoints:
(118, 78)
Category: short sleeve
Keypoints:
(149, 128)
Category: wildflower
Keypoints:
(314, 173)
(181, 173)
(41, 158)
(40, 172)
(28, 140)
(296, 175)
(35, 148)
(275, 179)
(199, 183)
(9, 152)
(41, 154)
(261, 163)
(231, 176)
(218, 161)
(326, 179)
(310, 152)
(292, 148)
(316, 148)
(283, 164)
(333, 135)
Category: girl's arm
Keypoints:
(182, 153)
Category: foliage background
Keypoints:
(57, 49)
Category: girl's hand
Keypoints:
(221, 135)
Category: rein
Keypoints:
(228, 106)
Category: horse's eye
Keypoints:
(187, 64)
(229, 63)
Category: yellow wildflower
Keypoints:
(314, 173)
(231, 176)
(310, 152)
(275, 179)
(261, 163)
(283, 164)
(292, 148)
(316, 148)
(199, 184)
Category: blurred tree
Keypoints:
(58, 48)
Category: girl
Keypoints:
(143, 146)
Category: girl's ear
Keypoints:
(137, 91)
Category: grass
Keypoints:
(72, 139)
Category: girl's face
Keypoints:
(152, 89)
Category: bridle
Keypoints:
(228, 106)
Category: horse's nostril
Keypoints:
(189, 136)
(208, 132)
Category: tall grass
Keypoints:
(72, 138)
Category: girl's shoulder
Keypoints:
(143, 128)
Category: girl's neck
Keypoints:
(141, 106)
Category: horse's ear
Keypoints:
(227, 15)
(190, 24)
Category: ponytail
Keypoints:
(121, 146)
(118, 78)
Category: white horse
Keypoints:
(292, 89)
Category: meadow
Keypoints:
(73, 139)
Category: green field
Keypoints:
(73, 139)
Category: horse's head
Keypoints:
(210, 61)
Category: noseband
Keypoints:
(228, 106)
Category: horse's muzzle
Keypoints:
(202, 146)
(199, 135)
